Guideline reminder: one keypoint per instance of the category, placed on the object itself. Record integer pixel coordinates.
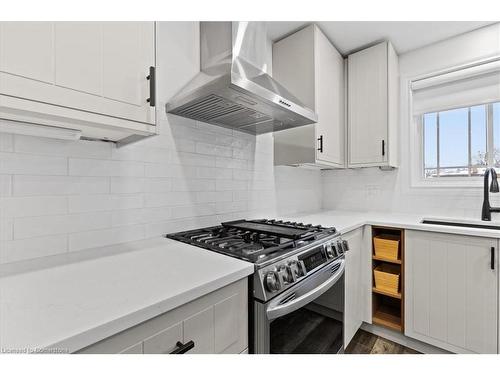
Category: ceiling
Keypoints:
(349, 36)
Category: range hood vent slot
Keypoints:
(215, 109)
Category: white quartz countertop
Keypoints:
(345, 221)
(76, 303)
(72, 305)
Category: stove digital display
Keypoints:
(313, 258)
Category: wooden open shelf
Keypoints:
(394, 261)
(388, 317)
(388, 307)
(386, 293)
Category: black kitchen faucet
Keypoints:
(487, 209)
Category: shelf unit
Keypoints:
(388, 307)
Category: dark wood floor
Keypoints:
(367, 343)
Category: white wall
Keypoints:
(373, 189)
(59, 196)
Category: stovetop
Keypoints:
(256, 241)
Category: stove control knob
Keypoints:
(297, 268)
(346, 245)
(340, 248)
(330, 251)
(286, 273)
(272, 281)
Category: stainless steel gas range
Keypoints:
(297, 290)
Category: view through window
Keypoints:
(461, 142)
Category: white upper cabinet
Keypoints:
(451, 288)
(310, 67)
(373, 107)
(90, 76)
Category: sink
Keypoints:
(461, 223)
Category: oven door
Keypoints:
(304, 319)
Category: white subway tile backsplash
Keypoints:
(168, 199)
(61, 185)
(226, 207)
(90, 167)
(104, 202)
(194, 184)
(156, 214)
(86, 194)
(6, 142)
(16, 163)
(180, 212)
(57, 147)
(205, 148)
(98, 238)
(122, 218)
(17, 250)
(142, 153)
(157, 185)
(6, 229)
(33, 206)
(5, 185)
(124, 185)
(46, 225)
(223, 185)
(186, 158)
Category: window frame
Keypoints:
(415, 134)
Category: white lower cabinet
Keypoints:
(216, 323)
(451, 286)
(353, 286)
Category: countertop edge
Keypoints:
(94, 335)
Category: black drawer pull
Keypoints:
(383, 147)
(152, 86)
(320, 139)
(492, 260)
(183, 348)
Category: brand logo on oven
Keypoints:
(285, 103)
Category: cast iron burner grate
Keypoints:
(253, 240)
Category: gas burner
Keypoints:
(256, 241)
(252, 248)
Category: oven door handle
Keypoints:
(274, 312)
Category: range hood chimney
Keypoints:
(233, 89)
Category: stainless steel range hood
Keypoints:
(233, 90)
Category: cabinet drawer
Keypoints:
(134, 349)
(165, 341)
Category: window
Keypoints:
(461, 142)
(456, 124)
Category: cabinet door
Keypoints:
(368, 103)
(353, 286)
(227, 319)
(451, 291)
(329, 93)
(97, 67)
(200, 329)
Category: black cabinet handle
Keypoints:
(183, 348)
(492, 260)
(383, 147)
(152, 86)
(320, 139)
